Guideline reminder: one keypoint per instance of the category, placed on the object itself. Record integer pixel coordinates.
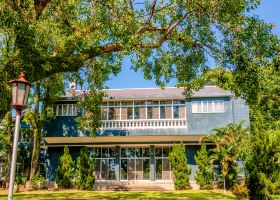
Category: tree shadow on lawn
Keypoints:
(79, 195)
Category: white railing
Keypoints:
(142, 124)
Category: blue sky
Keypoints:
(268, 11)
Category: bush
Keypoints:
(84, 172)
(38, 182)
(204, 176)
(180, 168)
(240, 191)
(64, 171)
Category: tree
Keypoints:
(40, 110)
(263, 161)
(205, 174)
(163, 39)
(179, 164)
(84, 170)
(65, 170)
(230, 145)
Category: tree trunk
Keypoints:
(10, 147)
(37, 131)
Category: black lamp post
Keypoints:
(20, 90)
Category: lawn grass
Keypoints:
(109, 195)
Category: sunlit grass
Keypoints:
(102, 195)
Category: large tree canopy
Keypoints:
(164, 39)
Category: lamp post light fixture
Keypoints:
(20, 90)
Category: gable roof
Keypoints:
(153, 93)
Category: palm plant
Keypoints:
(230, 146)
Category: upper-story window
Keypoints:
(66, 110)
(137, 110)
(213, 106)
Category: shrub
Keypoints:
(240, 191)
(180, 168)
(84, 172)
(38, 181)
(204, 176)
(64, 171)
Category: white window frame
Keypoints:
(73, 110)
(208, 104)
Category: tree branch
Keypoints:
(39, 6)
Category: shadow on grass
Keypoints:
(195, 195)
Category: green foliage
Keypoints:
(240, 191)
(90, 119)
(38, 181)
(204, 176)
(180, 169)
(230, 145)
(84, 170)
(65, 170)
(263, 163)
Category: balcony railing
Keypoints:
(142, 124)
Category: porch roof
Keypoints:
(122, 140)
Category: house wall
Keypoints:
(197, 123)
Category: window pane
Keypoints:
(123, 152)
(105, 168)
(221, 106)
(159, 169)
(166, 171)
(175, 112)
(130, 152)
(139, 103)
(123, 113)
(113, 152)
(210, 106)
(112, 174)
(127, 103)
(165, 151)
(117, 103)
(168, 112)
(74, 110)
(152, 102)
(129, 113)
(199, 106)
(65, 110)
(146, 169)
(162, 112)
(165, 102)
(139, 169)
(138, 152)
(123, 169)
(158, 152)
(194, 107)
(104, 113)
(111, 113)
(216, 106)
(142, 112)
(136, 113)
(131, 169)
(146, 152)
(97, 170)
(205, 107)
(59, 110)
(150, 112)
(182, 112)
(105, 152)
(70, 111)
(97, 153)
(155, 112)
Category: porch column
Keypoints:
(117, 164)
(152, 163)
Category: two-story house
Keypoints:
(139, 128)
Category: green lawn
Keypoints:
(75, 194)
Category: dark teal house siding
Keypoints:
(197, 124)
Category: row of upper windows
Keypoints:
(217, 106)
(146, 109)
